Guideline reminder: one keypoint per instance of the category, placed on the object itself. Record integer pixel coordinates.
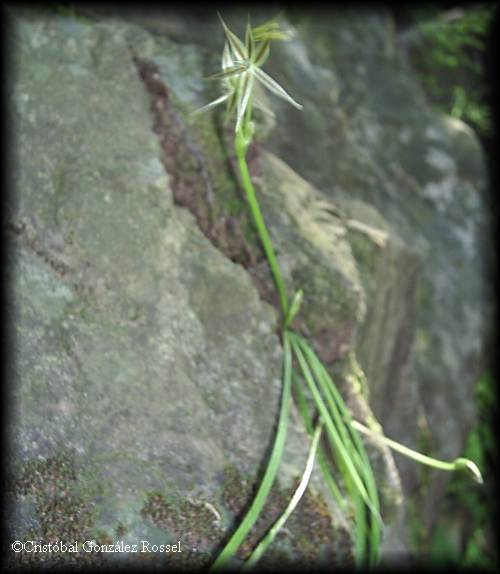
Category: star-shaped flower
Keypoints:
(241, 66)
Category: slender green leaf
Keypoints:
(360, 534)
(299, 492)
(354, 445)
(357, 452)
(304, 411)
(361, 531)
(272, 467)
(457, 464)
(325, 414)
(294, 307)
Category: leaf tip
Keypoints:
(471, 467)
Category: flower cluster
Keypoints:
(241, 66)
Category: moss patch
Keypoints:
(194, 525)
(63, 511)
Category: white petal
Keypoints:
(244, 93)
(212, 104)
(235, 43)
(274, 86)
(227, 61)
(228, 72)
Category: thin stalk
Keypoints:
(278, 525)
(271, 469)
(457, 464)
(241, 147)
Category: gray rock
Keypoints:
(147, 375)
(146, 362)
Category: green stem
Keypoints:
(241, 146)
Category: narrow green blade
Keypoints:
(272, 467)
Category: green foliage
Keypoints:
(448, 51)
(272, 466)
(347, 451)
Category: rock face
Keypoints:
(147, 366)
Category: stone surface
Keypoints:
(147, 363)
(145, 360)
